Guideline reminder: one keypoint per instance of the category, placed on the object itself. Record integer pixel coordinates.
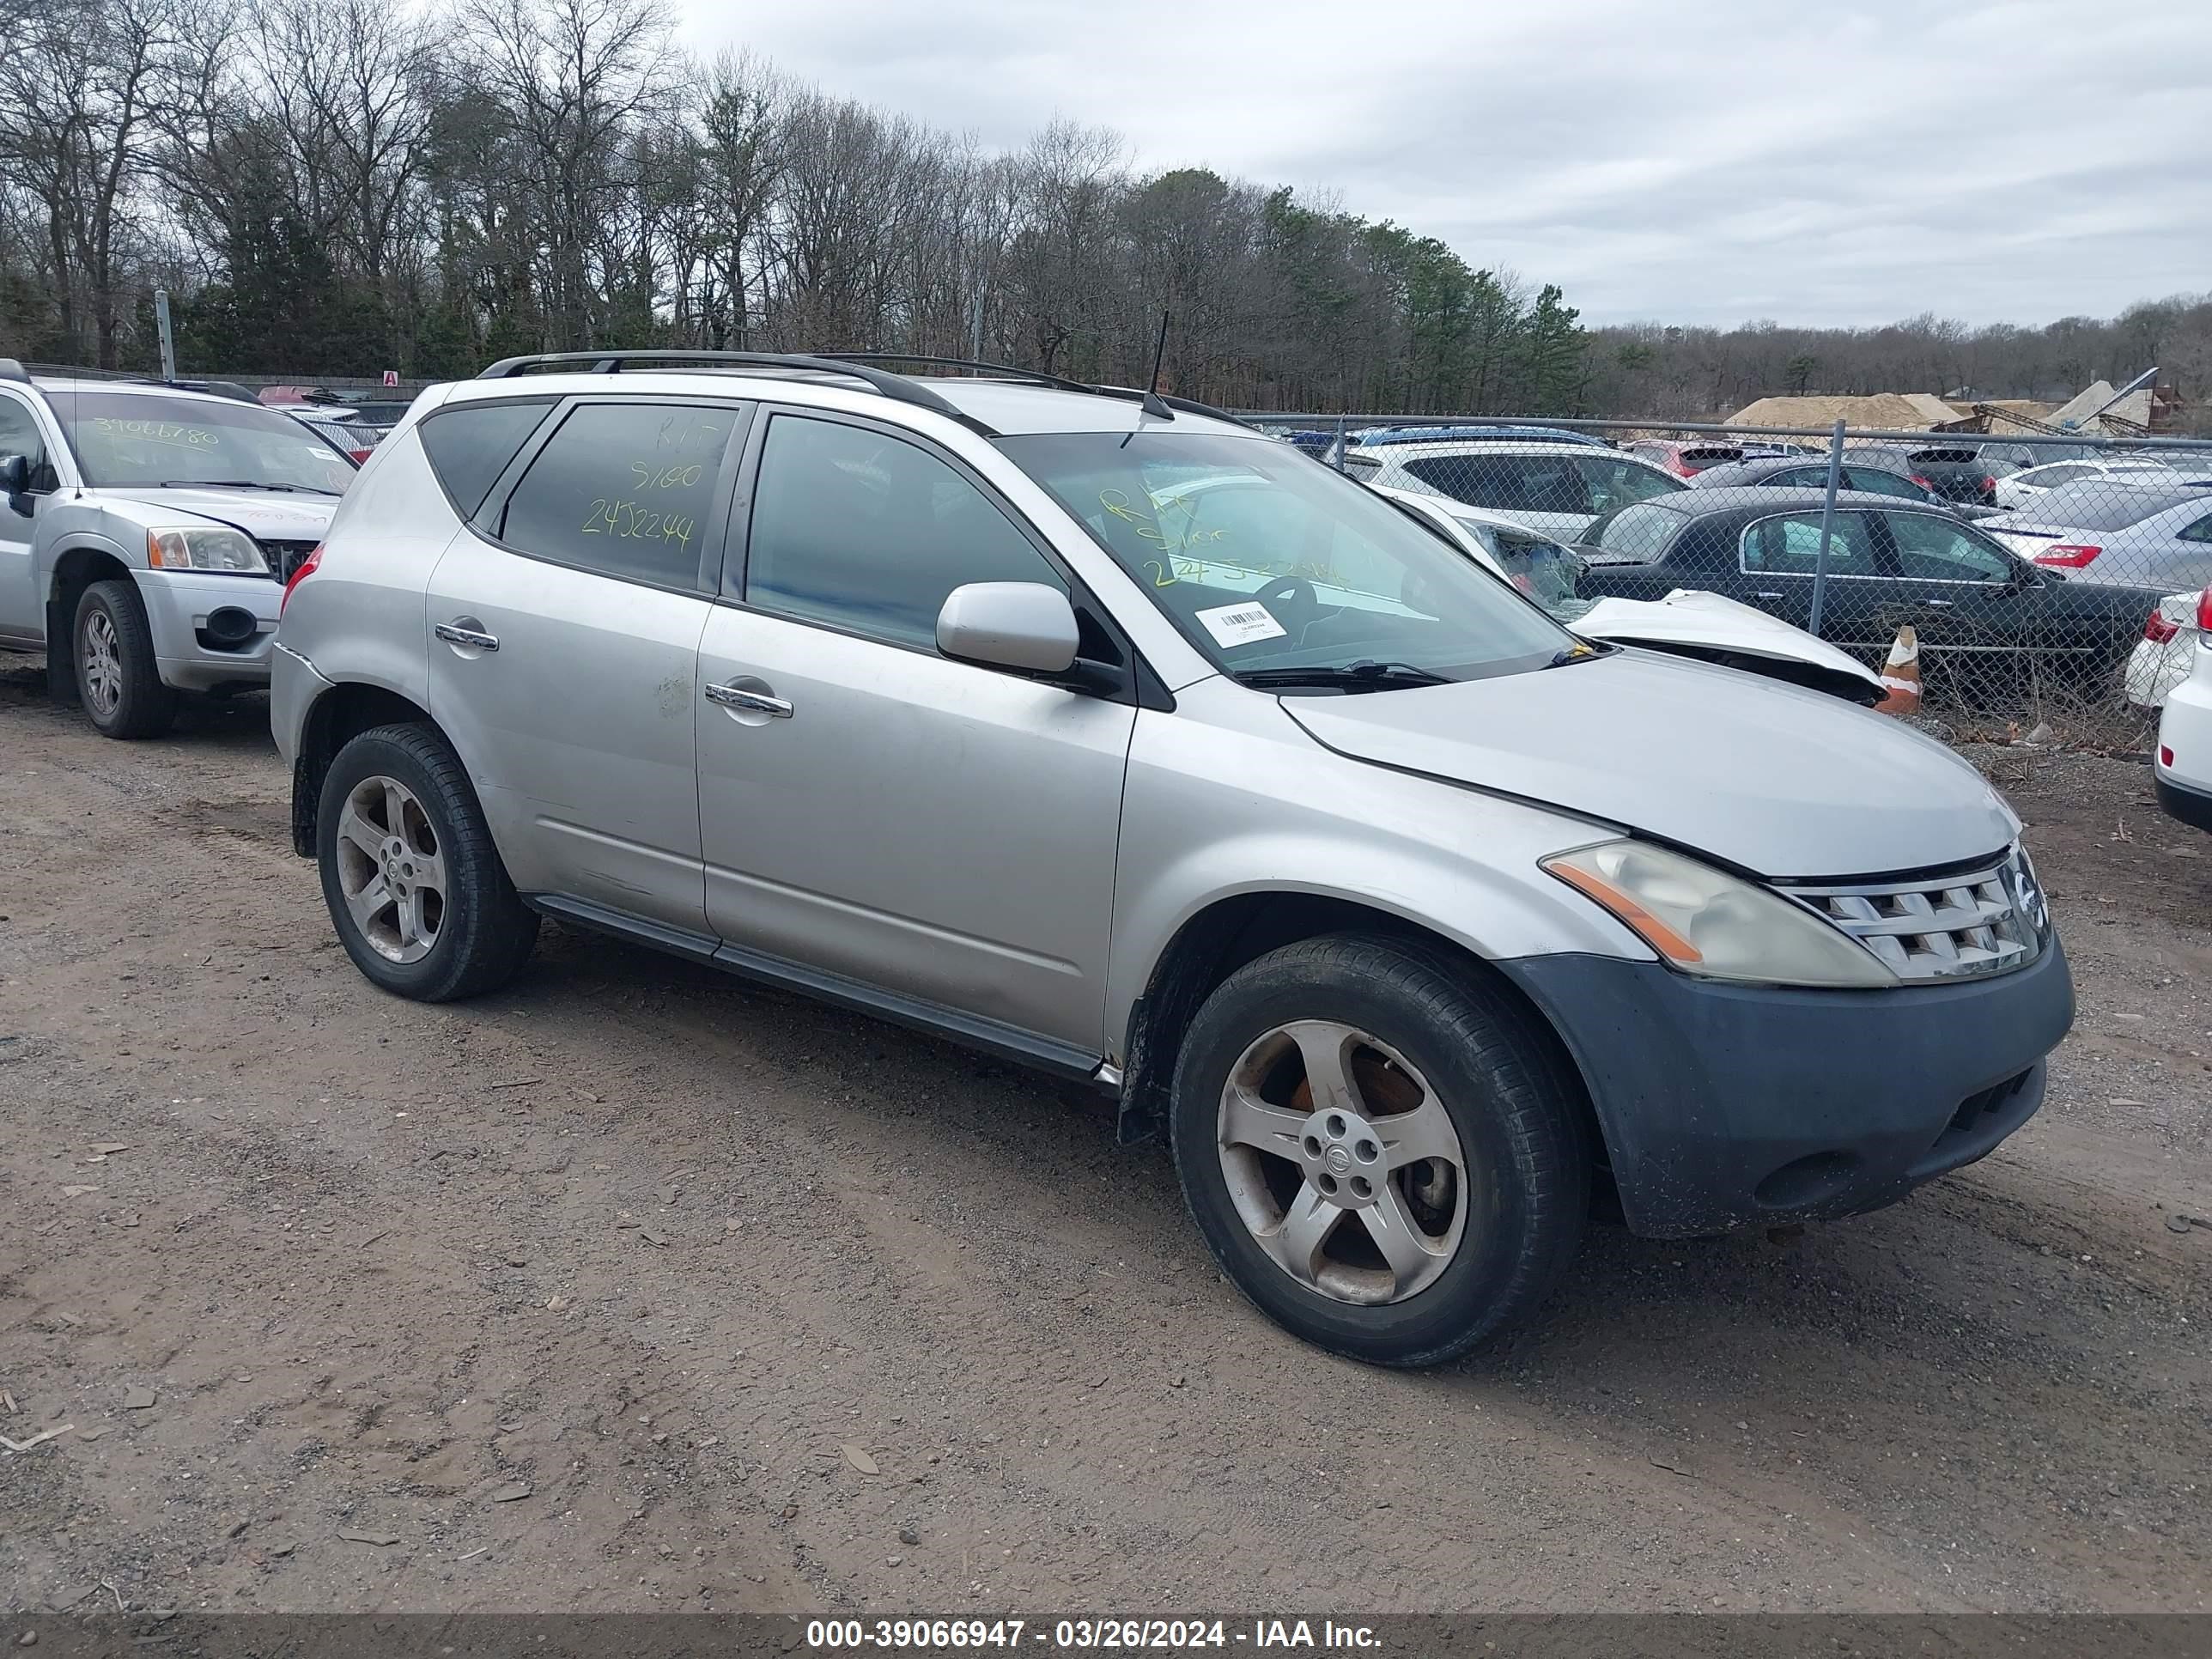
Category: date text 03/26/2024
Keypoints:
(1088, 1634)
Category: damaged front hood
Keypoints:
(1708, 624)
(1772, 777)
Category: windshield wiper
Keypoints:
(241, 483)
(1363, 676)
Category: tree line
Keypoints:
(331, 188)
(1653, 369)
(336, 187)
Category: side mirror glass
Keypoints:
(1027, 626)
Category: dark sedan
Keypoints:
(1978, 607)
(1786, 472)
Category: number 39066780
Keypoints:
(636, 523)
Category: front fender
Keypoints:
(1209, 814)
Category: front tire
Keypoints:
(414, 884)
(1382, 1154)
(119, 682)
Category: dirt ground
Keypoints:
(635, 1287)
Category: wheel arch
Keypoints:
(76, 567)
(337, 717)
(1222, 937)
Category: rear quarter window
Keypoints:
(470, 445)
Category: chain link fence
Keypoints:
(2047, 579)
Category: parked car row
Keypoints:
(1966, 591)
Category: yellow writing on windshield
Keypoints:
(171, 433)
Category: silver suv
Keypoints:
(148, 528)
(1099, 731)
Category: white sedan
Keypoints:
(1687, 621)
(2183, 772)
(2020, 489)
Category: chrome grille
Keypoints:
(1951, 926)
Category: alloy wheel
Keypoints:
(1342, 1163)
(392, 869)
(99, 665)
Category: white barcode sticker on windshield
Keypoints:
(1241, 624)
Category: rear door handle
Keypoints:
(454, 634)
(1939, 605)
(1766, 596)
(758, 702)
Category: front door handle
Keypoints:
(454, 634)
(1766, 596)
(1939, 605)
(755, 702)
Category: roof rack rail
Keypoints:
(1033, 376)
(1157, 404)
(213, 388)
(903, 388)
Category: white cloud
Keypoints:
(1697, 162)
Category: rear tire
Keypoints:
(1445, 1134)
(414, 884)
(118, 679)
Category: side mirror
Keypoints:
(1026, 626)
(15, 474)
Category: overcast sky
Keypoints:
(1687, 161)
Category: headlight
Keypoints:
(1708, 923)
(205, 548)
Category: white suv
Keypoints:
(1102, 731)
(1560, 489)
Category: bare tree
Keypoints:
(571, 77)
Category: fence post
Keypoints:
(168, 338)
(1827, 520)
(1340, 443)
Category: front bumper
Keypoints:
(180, 605)
(1730, 1106)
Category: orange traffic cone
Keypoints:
(1901, 675)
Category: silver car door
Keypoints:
(869, 808)
(564, 651)
(22, 605)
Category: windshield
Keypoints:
(135, 439)
(1265, 560)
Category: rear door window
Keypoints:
(625, 491)
(470, 444)
(1876, 482)
(1790, 546)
